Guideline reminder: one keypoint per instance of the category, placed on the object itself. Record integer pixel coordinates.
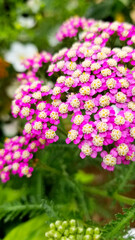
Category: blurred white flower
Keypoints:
(72, 5)
(10, 90)
(116, 109)
(34, 5)
(50, 84)
(131, 233)
(10, 129)
(26, 22)
(51, 37)
(18, 53)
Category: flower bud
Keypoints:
(80, 230)
(89, 231)
(72, 222)
(57, 223)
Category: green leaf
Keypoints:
(9, 194)
(101, 10)
(10, 211)
(33, 229)
(84, 177)
(112, 230)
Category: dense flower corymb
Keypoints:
(100, 98)
(95, 85)
(71, 229)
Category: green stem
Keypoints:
(126, 177)
(115, 196)
(62, 145)
(80, 196)
(39, 185)
(21, 207)
(1, 145)
(62, 131)
(48, 168)
(123, 199)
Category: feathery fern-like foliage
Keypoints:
(114, 228)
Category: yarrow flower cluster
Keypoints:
(72, 230)
(95, 85)
(37, 61)
(71, 27)
(98, 32)
(28, 103)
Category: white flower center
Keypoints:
(122, 149)
(120, 97)
(63, 108)
(26, 99)
(95, 66)
(78, 119)
(25, 111)
(54, 115)
(45, 89)
(85, 90)
(89, 105)
(28, 127)
(129, 116)
(119, 120)
(75, 103)
(116, 134)
(72, 135)
(111, 83)
(124, 83)
(37, 95)
(41, 106)
(84, 77)
(102, 127)
(86, 63)
(69, 81)
(98, 141)
(86, 149)
(71, 66)
(42, 115)
(104, 113)
(96, 84)
(131, 105)
(132, 132)
(87, 128)
(61, 79)
(25, 154)
(38, 125)
(109, 160)
(106, 72)
(56, 90)
(104, 101)
(50, 134)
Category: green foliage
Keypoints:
(112, 230)
(17, 210)
(111, 10)
(33, 229)
(10, 195)
(121, 181)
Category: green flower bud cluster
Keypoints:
(71, 230)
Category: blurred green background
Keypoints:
(36, 22)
